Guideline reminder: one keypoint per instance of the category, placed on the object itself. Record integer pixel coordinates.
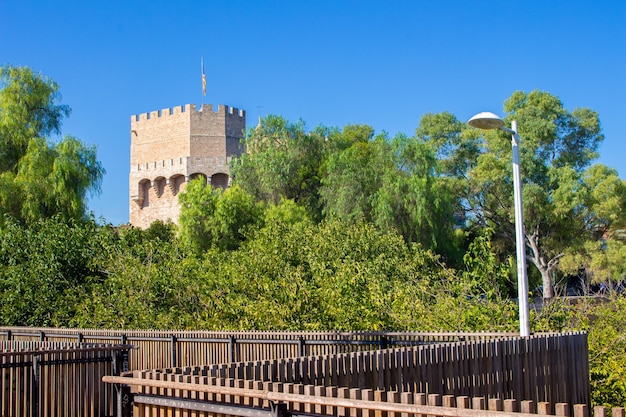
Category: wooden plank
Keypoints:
(309, 390)
(434, 400)
(510, 406)
(368, 395)
(380, 396)
(478, 403)
(562, 410)
(420, 399)
(599, 411)
(528, 407)
(355, 394)
(543, 408)
(617, 412)
(581, 410)
(495, 404)
(406, 398)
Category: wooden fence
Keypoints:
(179, 394)
(542, 368)
(170, 349)
(58, 379)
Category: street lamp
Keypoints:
(487, 121)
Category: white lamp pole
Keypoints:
(487, 120)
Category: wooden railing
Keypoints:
(57, 379)
(169, 349)
(543, 368)
(546, 367)
(171, 394)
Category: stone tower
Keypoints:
(172, 146)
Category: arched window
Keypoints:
(219, 180)
(176, 182)
(198, 175)
(144, 193)
(159, 186)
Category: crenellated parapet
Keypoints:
(206, 110)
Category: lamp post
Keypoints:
(487, 121)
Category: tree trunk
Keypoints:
(546, 278)
(544, 267)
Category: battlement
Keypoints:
(204, 110)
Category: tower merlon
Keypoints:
(162, 113)
(188, 108)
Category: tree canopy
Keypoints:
(282, 161)
(40, 177)
(568, 202)
(443, 185)
(216, 218)
(350, 175)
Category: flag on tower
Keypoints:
(203, 77)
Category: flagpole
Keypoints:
(203, 81)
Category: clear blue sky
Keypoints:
(328, 62)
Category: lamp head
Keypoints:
(486, 120)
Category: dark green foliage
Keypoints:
(607, 352)
(38, 178)
(45, 270)
(353, 174)
(212, 218)
(484, 274)
(290, 274)
(282, 162)
(150, 282)
(28, 109)
(413, 200)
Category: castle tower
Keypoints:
(172, 146)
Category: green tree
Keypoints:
(353, 174)
(46, 268)
(28, 110)
(455, 147)
(282, 161)
(484, 274)
(601, 256)
(557, 147)
(197, 204)
(391, 183)
(287, 212)
(607, 352)
(37, 178)
(302, 275)
(212, 217)
(556, 151)
(148, 281)
(413, 200)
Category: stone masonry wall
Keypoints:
(156, 136)
(170, 146)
